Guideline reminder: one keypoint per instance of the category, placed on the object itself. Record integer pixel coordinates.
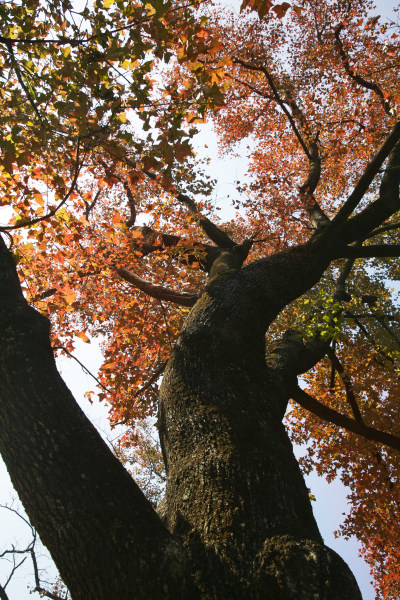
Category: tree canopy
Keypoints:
(111, 218)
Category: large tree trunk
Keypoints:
(235, 496)
(104, 536)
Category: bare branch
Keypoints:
(29, 550)
(15, 567)
(332, 416)
(38, 586)
(158, 291)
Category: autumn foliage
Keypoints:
(102, 196)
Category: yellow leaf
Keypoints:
(70, 297)
(66, 51)
(150, 10)
(107, 3)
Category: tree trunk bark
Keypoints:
(104, 536)
(235, 494)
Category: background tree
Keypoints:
(114, 231)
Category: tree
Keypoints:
(313, 85)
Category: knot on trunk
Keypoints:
(303, 569)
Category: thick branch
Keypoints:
(340, 292)
(3, 594)
(332, 416)
(292, 354)
(317, 216)
(103, 534)
(369, 174)
(371, 251)
(158, 291)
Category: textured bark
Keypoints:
(103, 535)
(235, 494)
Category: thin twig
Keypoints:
(83, 367)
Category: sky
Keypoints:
(330, 505)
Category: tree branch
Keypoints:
(368, 336)
(278, 99)
(371, 251)
(309, 144)
(90, 207)
(369, 174)
(340, 292)
(383, 229)
(158, 291)
(187, 256)
(292, 354)
(74, 481)
(85, 369)
(317, 216)
(360, 80)
(332, 416)
(3, 594)
(337, 365)
(215, 234)
(21, 81)
(156, 375)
